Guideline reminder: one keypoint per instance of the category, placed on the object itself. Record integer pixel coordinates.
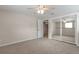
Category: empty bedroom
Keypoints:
(39, 29)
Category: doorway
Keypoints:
(45, 29)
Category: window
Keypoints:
(68, 25)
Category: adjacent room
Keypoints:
(39, 29)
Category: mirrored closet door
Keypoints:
(68, 29)
(63, 28)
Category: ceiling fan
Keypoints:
(41, 9)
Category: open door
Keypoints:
(45, 29)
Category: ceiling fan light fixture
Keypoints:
(40, 11)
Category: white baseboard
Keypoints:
(15, 42)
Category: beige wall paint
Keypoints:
(16, 27)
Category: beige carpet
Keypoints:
(64, 38)
(43, 46)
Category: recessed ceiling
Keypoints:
(54, 10)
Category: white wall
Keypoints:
(77, 30)
(15, 27)
(49, 29)
(40, 28)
